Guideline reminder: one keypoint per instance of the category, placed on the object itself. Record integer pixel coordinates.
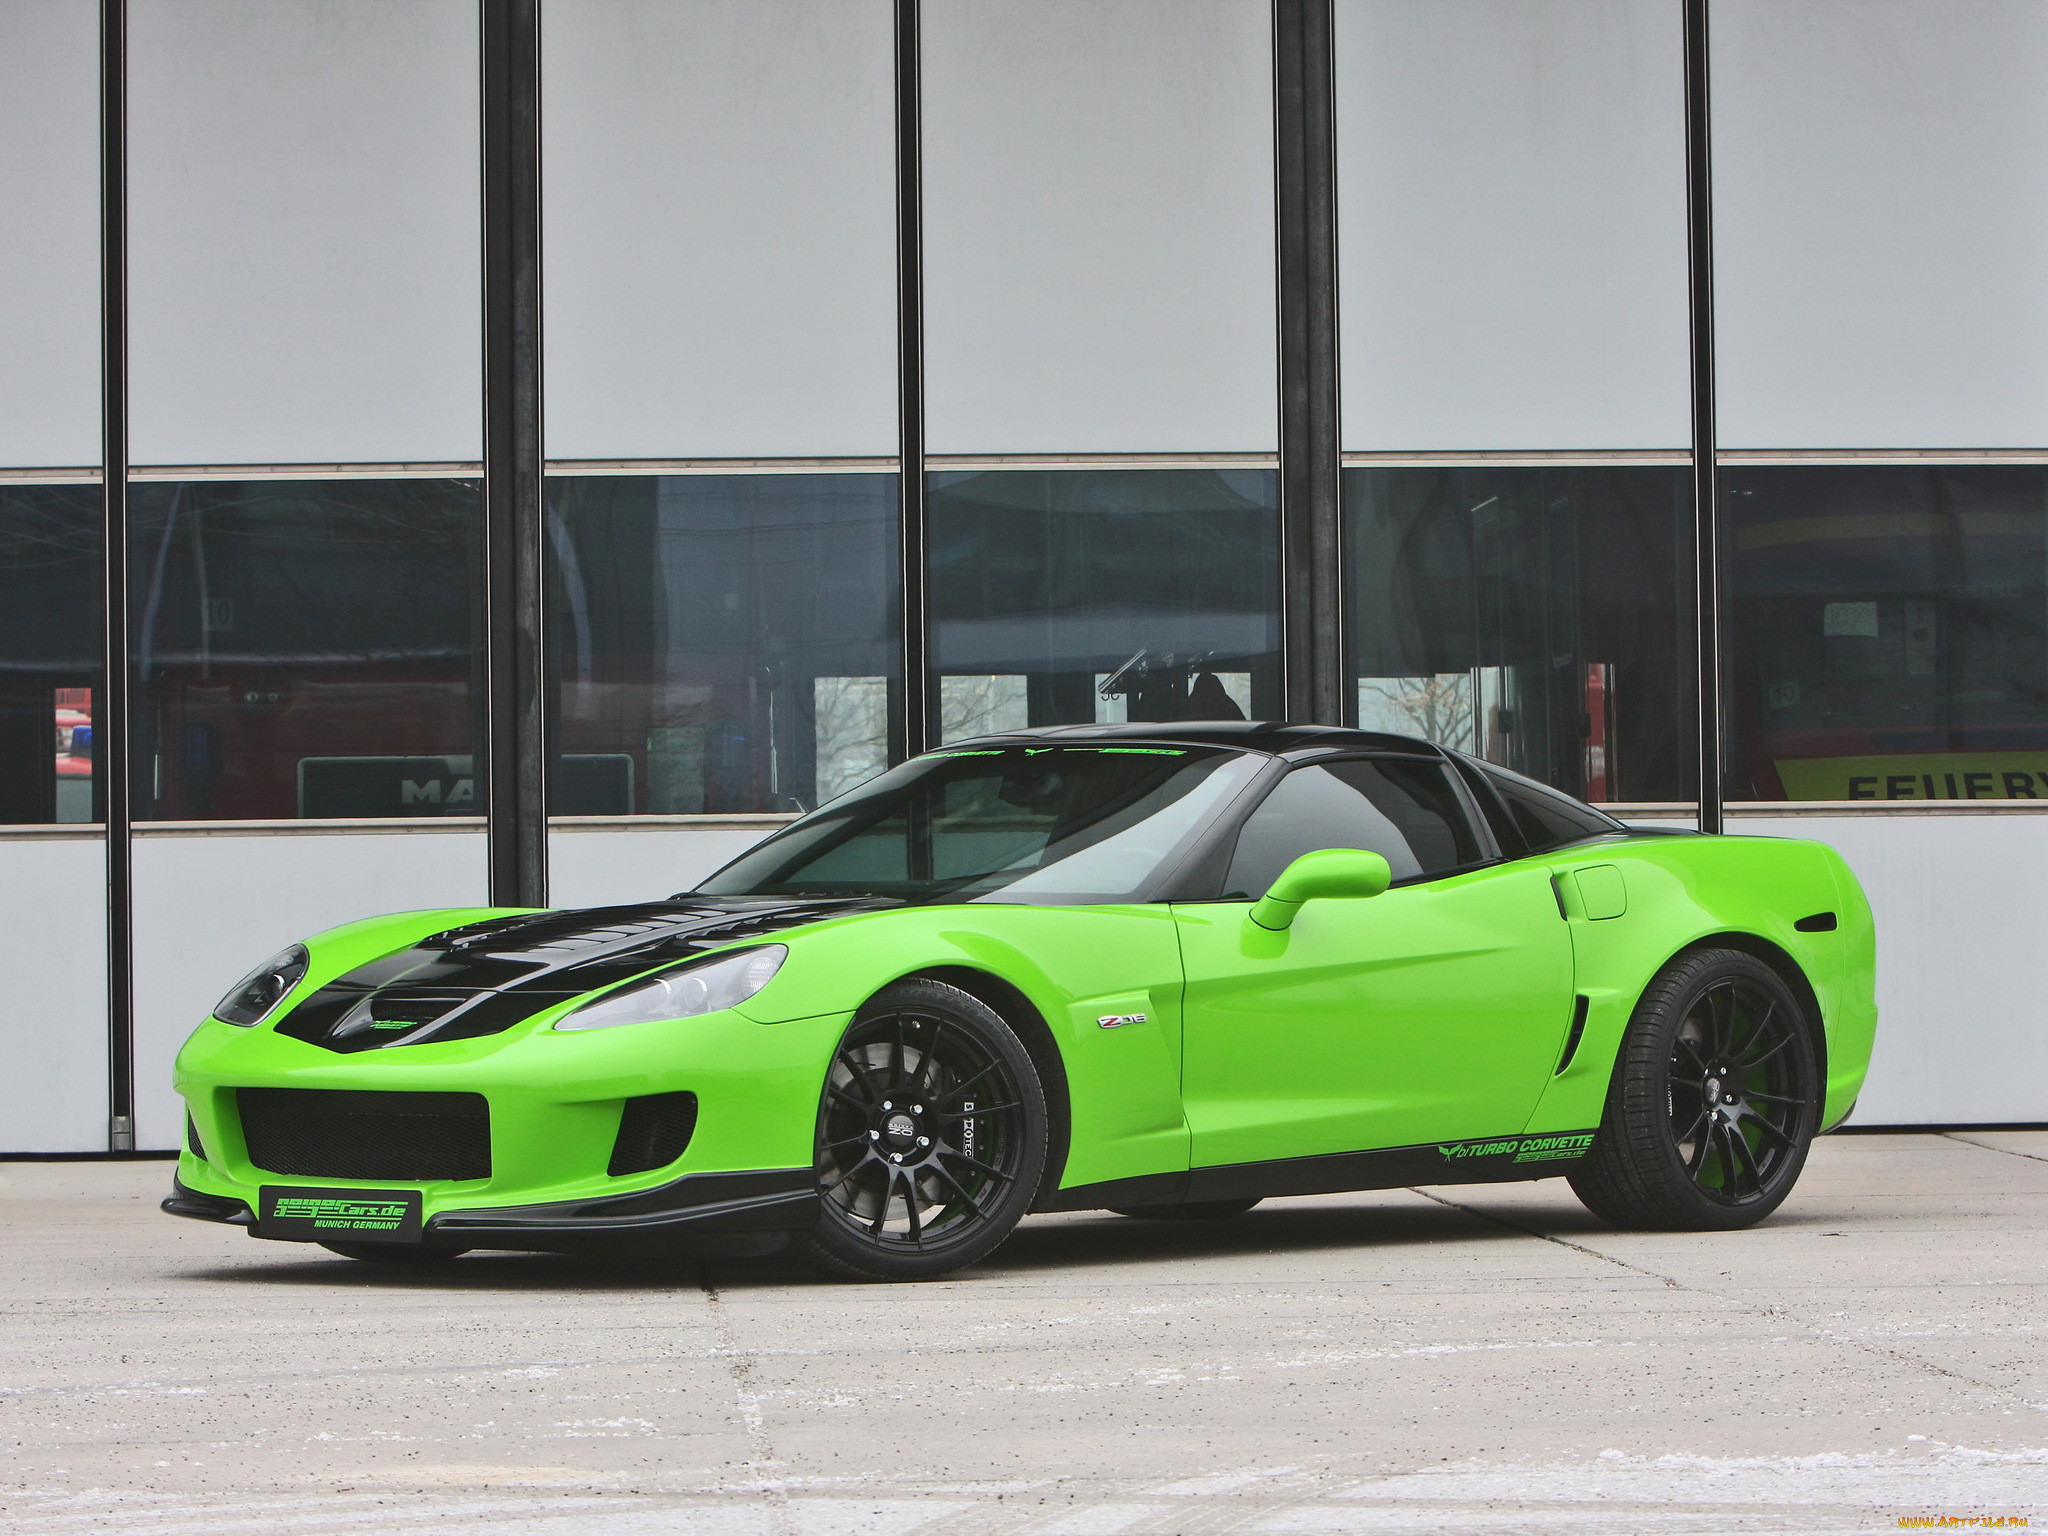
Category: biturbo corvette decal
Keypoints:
(1166, 970)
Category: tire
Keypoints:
(911, 1187)
(1715, 1101)
(393, 1253)
(1192, 1210)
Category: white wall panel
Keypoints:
(1098, 226)
(1512, 240)
(1962, 1032)
(304, 242)
(49, 236)
(720, 228)
(601, 866)
(1881, 222)
(209, 907)
(53, 994)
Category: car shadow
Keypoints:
(505, 1272)
(1077, 1242)
(1102, 1238)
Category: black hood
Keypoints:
(485, 977)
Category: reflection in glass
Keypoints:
(1528, 817)
(1071, 596)
(304, 648)
(1403, 809)
(720, 642)
(49, 652)
(1051, 824)
(1536, 617)
(1888, 631)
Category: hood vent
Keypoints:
(482, 978)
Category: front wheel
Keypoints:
(931, 1137)
(1715, 1101)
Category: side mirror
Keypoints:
(1326, 872)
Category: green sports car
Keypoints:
(1164, 970)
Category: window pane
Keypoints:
(1406, 812)
(305, 255)
(720, 263)
(1528, 817)
(49, 242)
(1541, 304)
(1098, 225)
(304, 648)
(49, 652)
(1539, 618)
(1889, 632)
(1069, 597)
(1049, 824)
(720, 642)
(1878, 179)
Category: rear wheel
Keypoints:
(1191, 1210)
(393, 1253)
(1715, 1101)
(931, 1137)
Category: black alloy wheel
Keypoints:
(931, 1137)
(1716, 1099)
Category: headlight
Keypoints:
(684, 992)
(264, 988)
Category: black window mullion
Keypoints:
(111, 766)
(914, 717)
(513, 770)
(1706, 491)
(1313, 664)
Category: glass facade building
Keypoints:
(516, 450)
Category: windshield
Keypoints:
(1050, 825)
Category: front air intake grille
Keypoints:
(332, 1133)
(653, 1132)
(192, 1142)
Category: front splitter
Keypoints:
(757, 1200)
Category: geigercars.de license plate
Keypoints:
(356, 1215)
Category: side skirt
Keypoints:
(1496, 1160)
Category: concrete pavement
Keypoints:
(1484, 1359)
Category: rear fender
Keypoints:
(1686, 893)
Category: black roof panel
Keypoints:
(1254, 735)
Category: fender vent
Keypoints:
(653, 1132)
(1820, 922)
(1580, 1005)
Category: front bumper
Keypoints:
(555, 1104)
(759, 1200)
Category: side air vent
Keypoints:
(336, 1133)
(653, 1132)
(1820, 922)
(1581, 1005)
